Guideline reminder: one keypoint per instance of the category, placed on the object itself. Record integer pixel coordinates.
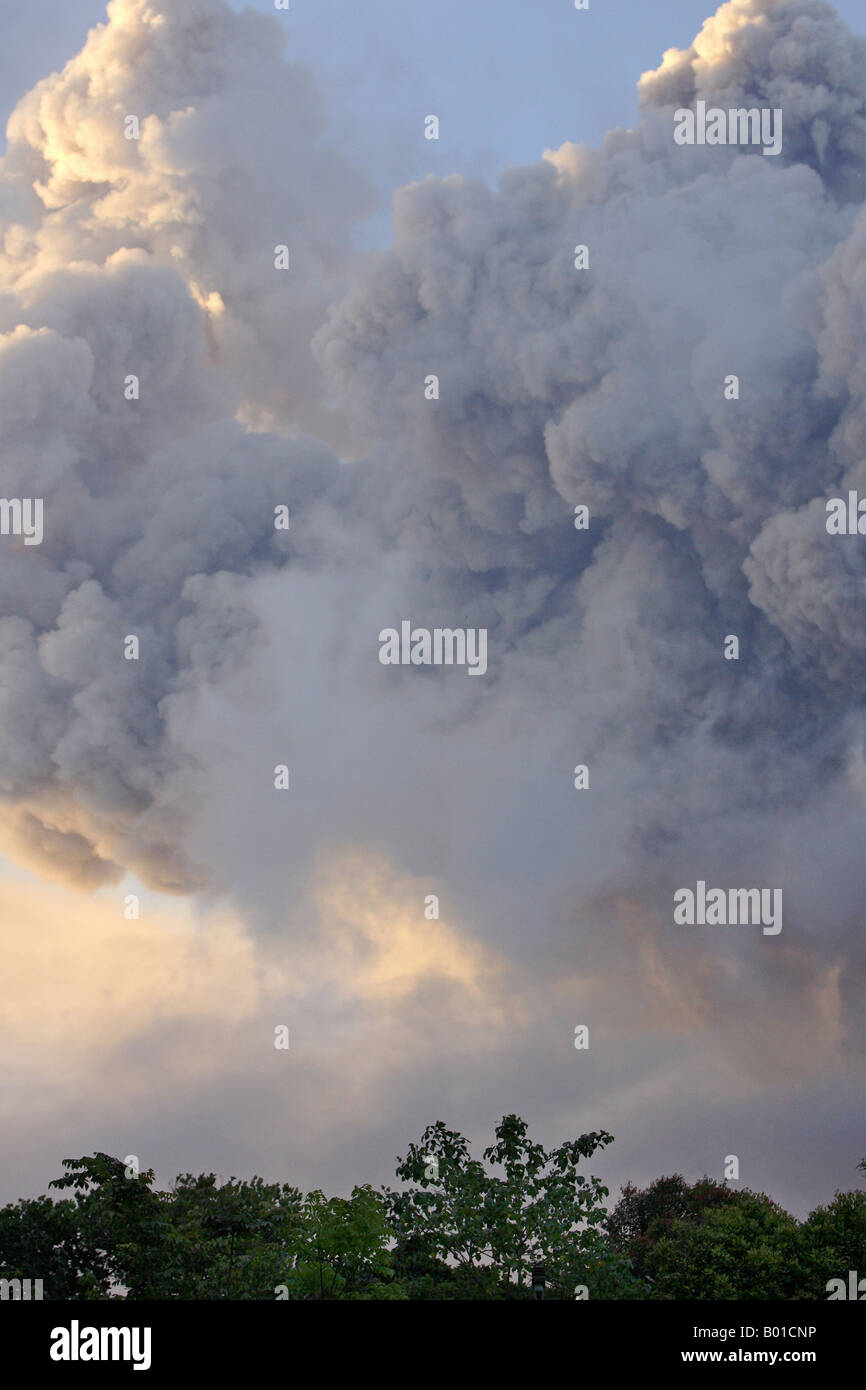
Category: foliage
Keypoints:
(745, 1249)
(833, 1241)
(123, 1218)
(457, 1228)
(493, 1227)
(642, 1217)
(343, 1249)
(41, 1239)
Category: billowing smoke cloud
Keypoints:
(152, 257)
(558, 387)
(152, 508)
(604, 387)
(227, 164)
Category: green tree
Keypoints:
(41, 1239)
(123, 1219)
(342, 1250)
(234, 1241)
(746, 1249)
(833, 1241)
(643, 1216)
(458, 1228)
(490, 1227)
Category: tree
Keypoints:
(488, 1229)
(232, 1241)
(457, 1228)
(746, 1249)
(342, 1250)
(644, 1216)
(238, 1240)
(41, 1239)
(200, 1241)
(833, 1241)
(124, 1220)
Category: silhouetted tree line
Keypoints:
(455, 1228)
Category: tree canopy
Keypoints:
(454, 1227)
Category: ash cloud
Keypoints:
(152, 257)
(227, 165)
(605, 387)
(558, 387)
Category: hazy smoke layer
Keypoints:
(558, 387)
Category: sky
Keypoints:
(165, 904)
